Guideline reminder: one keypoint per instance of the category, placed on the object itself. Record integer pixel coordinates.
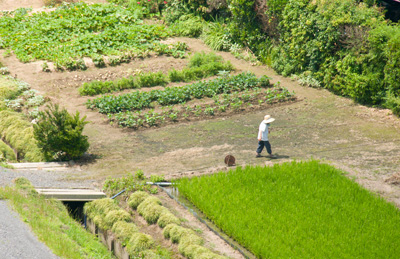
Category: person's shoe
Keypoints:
(258, 155)
(272, 156)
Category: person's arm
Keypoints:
(260, 131)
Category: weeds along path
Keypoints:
(363, 141)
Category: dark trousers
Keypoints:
(262, 144)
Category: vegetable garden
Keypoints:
(103, 32)
(230, 92)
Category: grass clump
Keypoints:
(100, 208)
(6, 153)
(313, 207)
(166, 218)
(116, 216)
(137, 198)
(151, 209)
(124, 230)
(52, 224)
(139, 242)
(18, 132)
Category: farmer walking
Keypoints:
(263, 136)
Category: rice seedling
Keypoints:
(297, 210)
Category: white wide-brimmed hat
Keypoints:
(268, 119)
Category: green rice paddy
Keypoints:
(297, 210)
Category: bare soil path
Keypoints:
(16, 240)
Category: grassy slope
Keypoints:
(52, 225)
(307, 210)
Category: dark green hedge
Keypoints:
(344, 44)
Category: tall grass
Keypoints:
(18, 132)
(297, 210)
(6, 153)
(52, 224)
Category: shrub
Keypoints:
(139, 242)
(59, 134)
(137, 198)
(167, 218)
(151, 213)
(115, 216)
(124, 230)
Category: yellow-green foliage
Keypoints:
(100, 207)
(199, 252)
(114, 216)
(187, 240)
(7, 88)
(6, 153)
(166, 218)
(151, 212)
(167, 230)
(98, 220)
(149, 254)
(177, 233)
(18, 132)
(136, 198)
(2, 105)
(139, 242)
(22, 183)
(124, 230)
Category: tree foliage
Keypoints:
(59, 134)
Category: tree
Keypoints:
(59, 134)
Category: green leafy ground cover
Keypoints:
(52, 224)
(201, 65)
(174, 95)
(297, 210)
(79, 30)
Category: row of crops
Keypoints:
(297, 210)
(201, 65)
(74, 31)
(229, 93)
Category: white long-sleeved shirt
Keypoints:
(263, 131)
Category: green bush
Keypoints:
(59, 134)
(139, 242)
(115, 216)
(167, 218)
(124, 230)
(151, 212)
(137, 198)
